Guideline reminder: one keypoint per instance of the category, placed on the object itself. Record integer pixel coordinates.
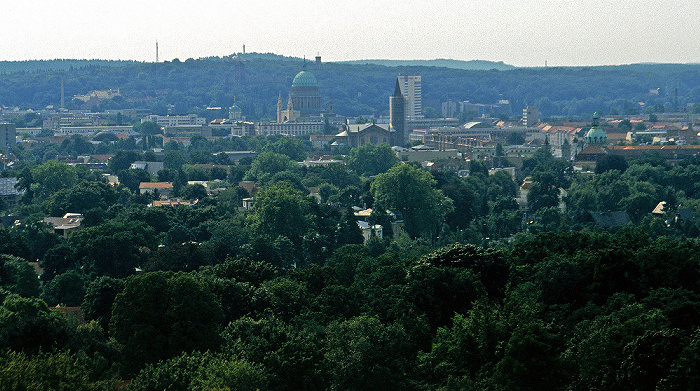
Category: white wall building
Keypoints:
(288, 128)
(175, 120)
(412, 92)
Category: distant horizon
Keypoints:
(348, 60)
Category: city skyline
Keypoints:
(522, 33)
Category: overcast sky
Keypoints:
(517, 32)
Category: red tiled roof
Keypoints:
(102, 158)
(155, 185)
(171, 203)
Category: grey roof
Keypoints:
(476, 125)
(687, 214)
(611, 219)
(7, 186)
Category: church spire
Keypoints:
(397, 89)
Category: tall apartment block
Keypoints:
(531, 116)
(8, 134)
(412, 93)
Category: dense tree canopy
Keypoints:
(412, 192)
(371, 159)
(470, 294)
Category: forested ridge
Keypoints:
(289, 296)
(255, 82)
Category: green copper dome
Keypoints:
(304, 79)
(596, 136)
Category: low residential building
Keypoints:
(9, 192)
(151, 167)
(250, 186)
(158, 203)
(224, 127)
(248, 203)
(165, 189)
(65, 225)
(235, 156)
(396, 218)
(321, 141)
(521, 198)
(322, 161)
(422, 153)
(368, 230)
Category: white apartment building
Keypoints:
(411, 90)
(175, 120)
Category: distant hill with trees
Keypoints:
(53, 65)
(256, 81)
(473, 65)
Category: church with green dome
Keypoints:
(595, 136)
(304, 101)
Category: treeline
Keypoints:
(58, 64)
(255, 83)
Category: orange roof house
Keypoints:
(165, 189)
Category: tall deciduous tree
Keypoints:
(281, 210)
(289, 146)
(160, 315)
(371, 159)
(412, 192)
(17, 276)
(51, 177)
(113, 248)
(268, 164)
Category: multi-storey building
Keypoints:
(88, 130)
(412, 93)
(288, 128)
(63, 120)
(531, 116)
(8, 134)
(175, 120)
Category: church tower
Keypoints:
(397, 118)
(279, 108)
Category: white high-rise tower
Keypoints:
(411, 90)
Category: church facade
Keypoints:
(304, 101)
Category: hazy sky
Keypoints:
(518, 32)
